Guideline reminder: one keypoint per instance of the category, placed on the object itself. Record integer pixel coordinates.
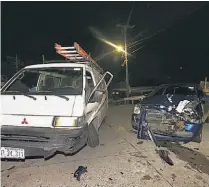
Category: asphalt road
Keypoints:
(120, 160)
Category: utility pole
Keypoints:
(43, 59)
(16, 63)
(124, 29)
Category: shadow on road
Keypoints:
(195, 159)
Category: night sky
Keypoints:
(179, 53)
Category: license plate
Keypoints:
(15, 153)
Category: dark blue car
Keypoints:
(174, 112)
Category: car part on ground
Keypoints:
(81, 170)
(162, 152)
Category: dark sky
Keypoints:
(30, 29)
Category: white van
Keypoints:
(53, 107)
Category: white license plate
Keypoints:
(15, 153)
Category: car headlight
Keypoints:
(67, 121)
(136, 109)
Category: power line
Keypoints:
(167, 26)
(138, 49)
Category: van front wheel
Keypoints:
(93, 138)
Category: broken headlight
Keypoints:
(136, 109)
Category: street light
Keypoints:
(119, 48)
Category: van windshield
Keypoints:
(63, 81)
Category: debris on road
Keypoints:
(161, 151)
(79, 172)
(140, 142)
(12, 167)
(164, 155)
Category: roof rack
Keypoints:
(76, 54)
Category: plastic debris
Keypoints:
(79, 172)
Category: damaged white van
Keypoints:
(54, 107)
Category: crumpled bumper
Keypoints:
(44, 142)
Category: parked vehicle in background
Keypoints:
(54, 107)
(174, 112)
(205, 86)
(120, 93)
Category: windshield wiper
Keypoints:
(22, 93)
(53, 93)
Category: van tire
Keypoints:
(93, 138)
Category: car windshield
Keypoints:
(63, 81)
(180, 90)
(174, 90)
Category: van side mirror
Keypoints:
(96, 97)
(92, 100)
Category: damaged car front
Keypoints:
(173, 112)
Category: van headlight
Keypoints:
(136, 109)
(67, 121)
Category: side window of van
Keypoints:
(89, 83)
(102, 85)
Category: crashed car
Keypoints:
(172, 112)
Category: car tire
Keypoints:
(93, 138)
(133, 125)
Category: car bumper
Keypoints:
(44, 142)
(134, 121)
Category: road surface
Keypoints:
(120, 160)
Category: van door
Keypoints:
(98, 97)
(104, 104)
(92, 105)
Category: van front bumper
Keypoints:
(43, 141)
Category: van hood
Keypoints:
(48, 105)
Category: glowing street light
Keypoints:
(119, 48)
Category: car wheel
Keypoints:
(93, 138)
(133, 125)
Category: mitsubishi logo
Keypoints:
(24, 121)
